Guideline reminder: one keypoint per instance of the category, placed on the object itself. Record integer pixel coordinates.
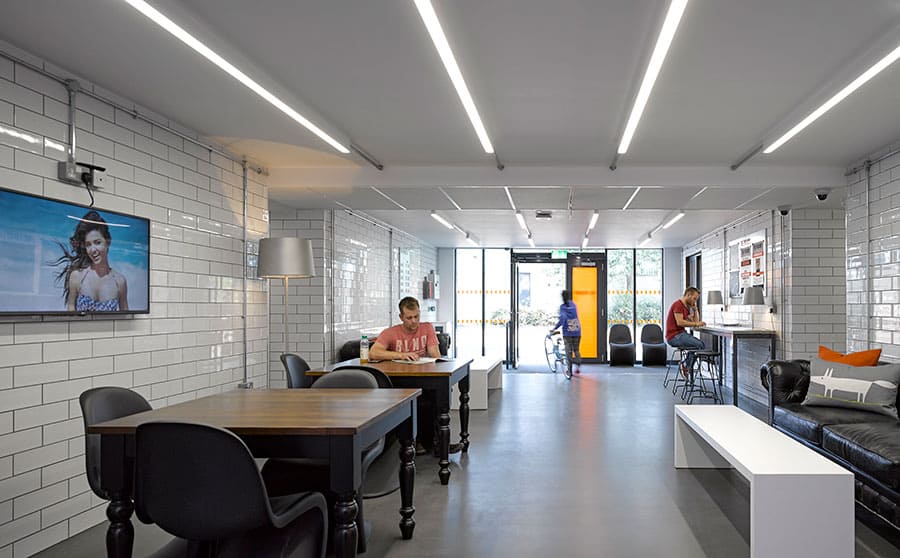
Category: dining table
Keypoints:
(331, 424)
(435, 378)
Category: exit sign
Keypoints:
(558, 254)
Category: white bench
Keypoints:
(801, 504)
(484, 373)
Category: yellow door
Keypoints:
(584, 295)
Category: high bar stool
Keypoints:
(673, 363)
(710, 358)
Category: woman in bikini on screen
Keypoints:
(91, 285)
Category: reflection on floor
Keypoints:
(561, 468)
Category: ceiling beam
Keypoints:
(721, 177)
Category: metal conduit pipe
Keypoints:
(246, 383)
(130, 110)
(868, 293)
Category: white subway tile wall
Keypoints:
(358, 290)
(811, 257)
(873, 257)
(189, 346)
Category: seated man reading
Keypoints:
(410, 340)
(683, 313)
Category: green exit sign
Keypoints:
(559, 254)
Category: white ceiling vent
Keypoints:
(543, 214)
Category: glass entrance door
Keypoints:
(537, 289)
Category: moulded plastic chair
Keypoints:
(653, 346)
(200, 483)
(621, 347)
(384, 381)
(382, 476)
(100, 405)
(291, 475)
(295, 371)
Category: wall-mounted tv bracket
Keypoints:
(70, 170)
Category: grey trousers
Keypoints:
(572, 345)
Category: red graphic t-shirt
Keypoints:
(396, 338)
(672, 327)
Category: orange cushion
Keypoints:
(861, 358)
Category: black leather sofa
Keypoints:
(868, 444)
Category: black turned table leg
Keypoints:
(120, 534)
(345, 532)
(444, 445)
(734, 368)
(407, 481)
(464, 413)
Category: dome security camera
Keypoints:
(822, 193)
(784, 209)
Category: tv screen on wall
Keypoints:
(64, 258)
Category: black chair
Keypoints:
(200, 483)
(653, 346)
(295, 371)
(382, 476)
(292, 475)
(100, 405)
(384, 381)
(621, 347)
(443, 343)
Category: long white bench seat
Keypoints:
(484, 373)
(801, 504)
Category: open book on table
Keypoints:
(422, 360)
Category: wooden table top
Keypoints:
(391, 368)
(309, 412)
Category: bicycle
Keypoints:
(555, 351)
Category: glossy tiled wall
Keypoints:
(363, 268)
(190, 345)
(873, 257)
(807, 246)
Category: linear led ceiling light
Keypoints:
(442, 221)
(645, 241)
(471, 240)
(593, 222)
(229, 68)
(663, 42)
(530, 241)
(631, 199)
(521, 219)
(674, 220)
(426, 10)
(837, 98)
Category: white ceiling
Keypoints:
(553, 81)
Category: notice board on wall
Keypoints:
(747, 263)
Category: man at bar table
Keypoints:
(410, 340)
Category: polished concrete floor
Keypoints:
(560, 468)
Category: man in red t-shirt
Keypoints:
(683, 313)
(410, 340)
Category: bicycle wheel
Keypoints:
(564, 362)
(550, 353)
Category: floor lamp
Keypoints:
(753, 296)
(285, 257)
(714, 298)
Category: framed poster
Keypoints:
(746, 263)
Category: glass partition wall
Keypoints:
(482, 301)
(634, 280)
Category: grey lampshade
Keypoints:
(285, 257)
(714, 297)
(753, 296)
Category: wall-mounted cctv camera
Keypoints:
(822, 193)
(784, 209)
